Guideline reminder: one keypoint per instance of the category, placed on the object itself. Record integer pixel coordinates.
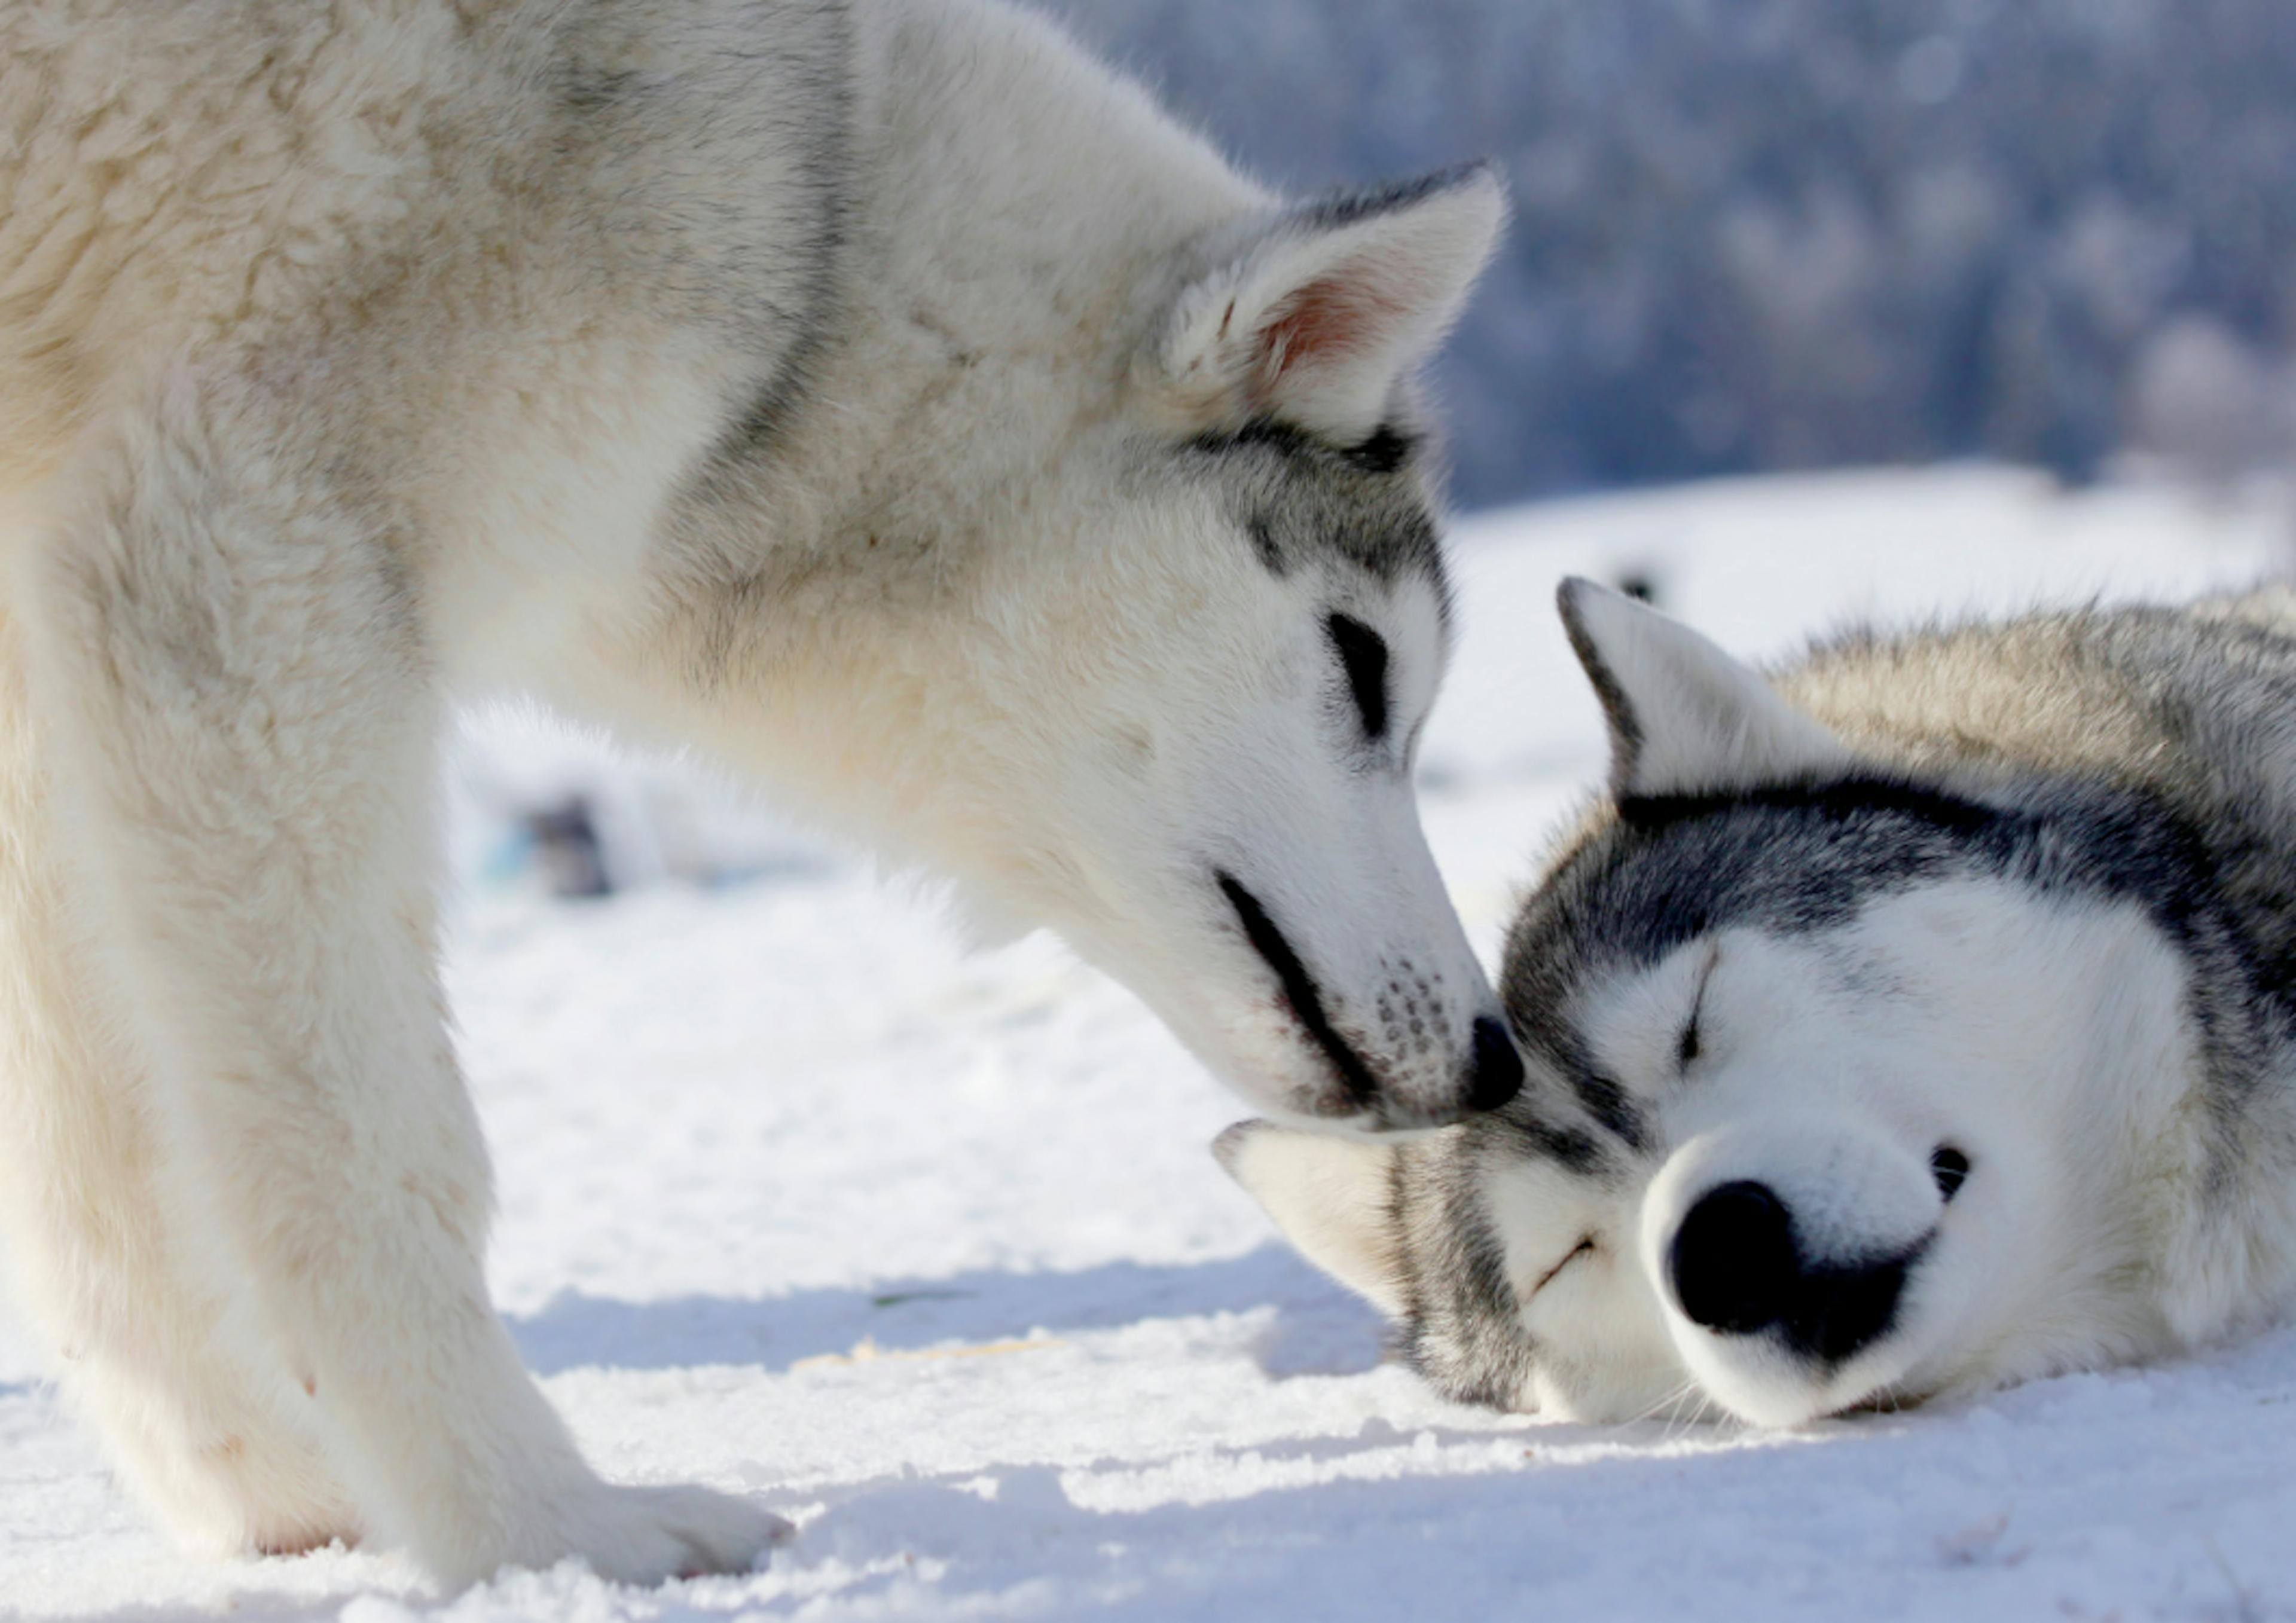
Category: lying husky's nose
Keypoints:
(1495, 1073)
(1737, 1271)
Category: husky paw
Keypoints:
(647, 1535)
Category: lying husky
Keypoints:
(1920, 1019)
(876, 396)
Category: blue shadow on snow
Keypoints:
(1319, 1327)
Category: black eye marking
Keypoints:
(1385, 452)
(1585, 1248)
(1363, 652)
(1950, 1168)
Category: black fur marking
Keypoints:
(1346, 208)
(758, 427)
(1802, 857)
(1300, 991)
(1618, 710)
(1363, 654)
(1610, 1104)
(586, 95)
(1388, 450)
(1300, 499)
(1543, 1141)
(791, 336)
(1259, 434)
(1834, 801)
(1464, 1332)
(1263, 542)
(1565, 1051)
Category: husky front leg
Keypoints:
(203, 1420)
(232, 666)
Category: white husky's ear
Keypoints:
(1331, 1197)
(1313, 315)
(1685, 718)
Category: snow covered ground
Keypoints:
(925, 1250)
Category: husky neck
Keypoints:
(1013, 209)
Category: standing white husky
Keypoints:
(876, 396)
(1922, 1022)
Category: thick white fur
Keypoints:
(1340, 1188)
(335, 378)
(2044, 1042)
(1699, 720)
(2047, 1039)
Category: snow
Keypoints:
(924, 1251)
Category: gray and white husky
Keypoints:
(878, 397)
(1918, 1019)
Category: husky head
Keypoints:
(1276, 619)
(1172, 703)
(1846, 1088)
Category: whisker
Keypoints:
(1676, 1422)
(1671, 1399)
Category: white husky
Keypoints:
(877, 396)
(1922, 1022)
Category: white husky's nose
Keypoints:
(1400, 1045)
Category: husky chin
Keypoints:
(1919, 1020)
(878, 397)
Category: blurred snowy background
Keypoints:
(1758, 234)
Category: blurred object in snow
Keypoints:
(566, 848)
(536, 805)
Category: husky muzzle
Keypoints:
(1366, 1089)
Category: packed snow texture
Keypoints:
(924, 1250)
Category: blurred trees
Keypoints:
(1782, 233)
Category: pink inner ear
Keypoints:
(1323, 322)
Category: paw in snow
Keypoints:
(648, 1535)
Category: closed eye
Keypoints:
(1585, 1248)
(1688, 1046)
(1363, 655)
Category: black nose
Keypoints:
(1738, 1271)
(1496, 1076)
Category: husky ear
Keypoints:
(1313, 316)
(1332, 1198)
(1685, 718)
